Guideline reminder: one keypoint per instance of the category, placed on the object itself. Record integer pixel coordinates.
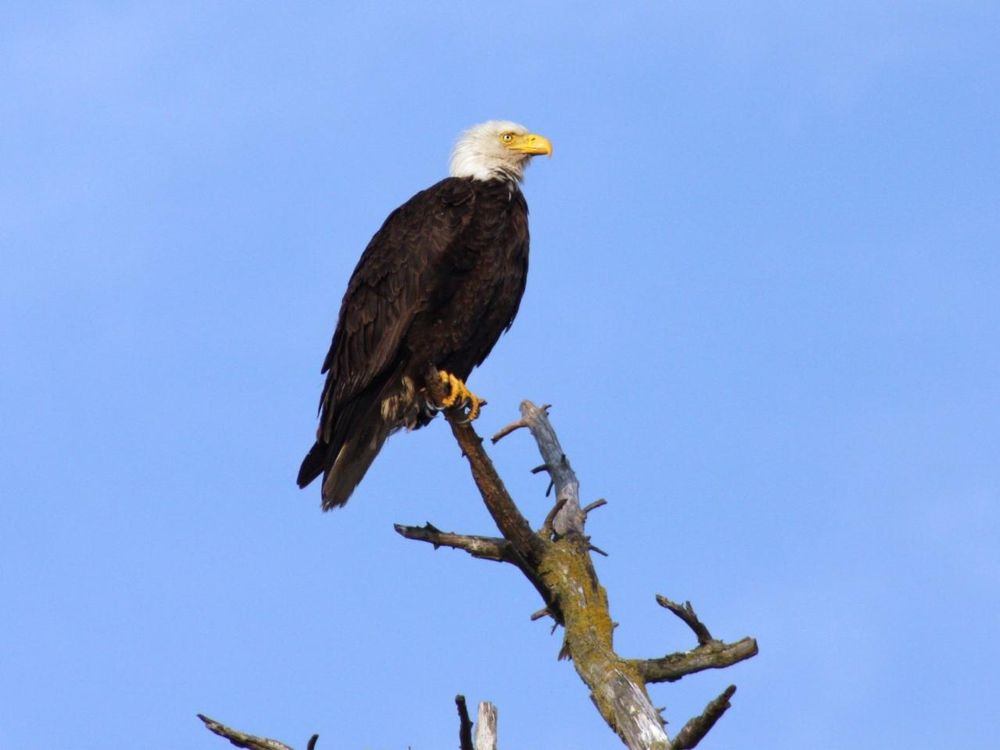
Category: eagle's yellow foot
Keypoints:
(459, 395)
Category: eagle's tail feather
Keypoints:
(357, 434)
(353, 458)
(312, 464)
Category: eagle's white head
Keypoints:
(497, 149)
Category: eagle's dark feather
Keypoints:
(436, 286)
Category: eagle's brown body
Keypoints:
(436, 286)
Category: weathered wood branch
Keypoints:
(483, 547)
(568, 514)
(709, 654)
(556, 559)
(464, 725)
(486, 727)
(686, 613)
(693, 732)
(249, 741)
(713, 655)
(508, 518)
(485, 731)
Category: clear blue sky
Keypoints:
(763, 299)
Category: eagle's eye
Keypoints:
(506, 137)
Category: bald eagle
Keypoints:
(434, 289)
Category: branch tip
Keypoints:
(512, 427)
(486, 727)
(464, 724)
(687, 614)
(244, 740)
(713, 655)
(693, 732)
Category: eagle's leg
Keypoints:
(459, 395)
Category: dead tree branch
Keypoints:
(709, 654)
(464, 725)
(485, 731)
(556, 560)
(686, 612)
(486, 727)
(714, 655)
(483, 547)
(692, 732)
(249, 741)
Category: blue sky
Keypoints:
(762, 299)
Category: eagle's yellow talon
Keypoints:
(475, 403)
(459, 395)
(454, 386)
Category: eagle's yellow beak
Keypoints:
(530, 143)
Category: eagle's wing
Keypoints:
(394, 280)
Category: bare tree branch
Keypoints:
(714, 655)
(693, 732)
(486, 727)
(543, 612)
(686, 613)
(249, 741)
(562, 572)
(570, 517)
(483, 547)
(464, 725)
(557, 561)
(504, 432)
(514, 526)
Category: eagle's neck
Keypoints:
(469, 161)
